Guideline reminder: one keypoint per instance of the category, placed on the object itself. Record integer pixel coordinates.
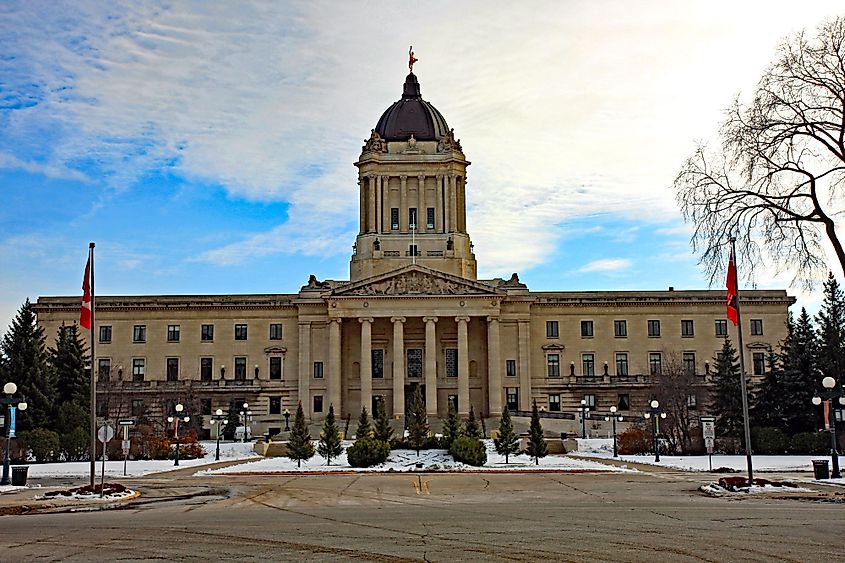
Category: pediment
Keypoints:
(416, 281)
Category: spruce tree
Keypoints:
(507, 442)
(471, 428)
(382, 429)
(799, 361)
(536, 441)
(25, 363)
(329, 445)
(727, 393)
(299, 444)
(767, 408)
(69, 363)
(831, 330)
(364, 429)
(418, 422)
(452, 428)
(233, 420)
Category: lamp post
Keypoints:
(245, 413)
(655, 413)
(287, 420)
(583, 409)
(179, 416)
(11, 403)
(614, 417)
(217, 419)
(831, 392)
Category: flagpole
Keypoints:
(93, 382)
(742, 377)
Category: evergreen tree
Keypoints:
(452, 428)
(24, 362)
(299, 444)
(418, 422)
(382, 429)
(69, 363)
(727, 392)
(799, 357)
(767, 409)
(536, 441)
(508, 442)
(329, 445)
(471, 428)
(364, 429)
(831, 330)
(233, 420)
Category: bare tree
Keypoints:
(673, 388)
(775, 184)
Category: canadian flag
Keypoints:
(733, 291)
(85, 311)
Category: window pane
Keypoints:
(240, 332)
(205, 369)
(757, 327)
(622, 364)
(451, 362)
(139, 333)
(623, 402)
(415, 362)
(275, 405)
(172, 369)
(105, 334)
(275, 331)
(554, 365)
(207, 332)
(759, 363)
(377, 358)
(394, 218)
(620, 328)
(586, 328)
(654, 328)
(430, 218)
(318, 403)
(721, 328)
(687, 328)
(138, 368)
(275, 368)
(173, 333)
(552, 329)
(104, 369)
(510, 368)
(554, 402)
(689, 363)
(318, 370)
(240, 368)
(654, 363)
(588, 364)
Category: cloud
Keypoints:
(606, 265)
(56, 171)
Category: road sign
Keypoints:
(105, 433)
(708, 427)
(709, 443)
(125, 422)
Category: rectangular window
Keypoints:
(318, 403)
(275, 367)
(394, 218)
(623, 402)
(588, 364)
(137, 407)
(655, 363)
(586, 329)
(377, 358)
(275, 405)
(412, 218)
(759, 360)
(205, 407)
(318, 370)
(756, 327)
(240, 368)
(689, 363)
(622, 364)
(620, 329)
(721, 327)
(692, 402)
(105, 334)
(413, 250)
(139, 333)
(451, 362)
(553, 362)
(206, 366)
(173, 333)
(512, 398)
(207, 333)
(275, 331)
(590, 401)
(172, 369)
(510, 368)
(687, 330)
(552, 329)
(452, 402)
(138, 368)
(429, 218)
(654, 328)
(240, 332)
(103, 369)
(415, 362)
(554, 402)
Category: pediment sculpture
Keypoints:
(375, 143)
(416, 283)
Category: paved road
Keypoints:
(477, 517)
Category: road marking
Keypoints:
(420, 486)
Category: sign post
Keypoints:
(708, 430)
(104, 434)
(125, 424)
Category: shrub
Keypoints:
(43, 444)
(769, 441)
(469, 450)
(634, 441)
(74, 444)
(190, 448)
(158, 447)
(810, 443)
(366, 452)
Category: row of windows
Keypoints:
(412, 218)
(655, 364)
(620, 328)
(171, 367)
(174, 332)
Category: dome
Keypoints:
(412, 115)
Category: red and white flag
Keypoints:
(733, 291)
(85, 311)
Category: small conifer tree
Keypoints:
(471, 428)
(382, 429)
(299, 445)
(329, 445)
(364, 428)
(536, 442)
(452, 428)
(507, 443)
(418, 423)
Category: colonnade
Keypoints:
(449, 204)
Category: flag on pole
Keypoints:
(85, 311)
(733, 291)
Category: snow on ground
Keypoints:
(428, 460)
(229, 451)
(10, 488)
(716, 489)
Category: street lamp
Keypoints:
(218, 418)
(287, 420)
(11, 404)
(655, 413)
(583, 409)
(614, 417)
(831, 392)
(179, 416)
(246, 415)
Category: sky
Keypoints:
(208, 147)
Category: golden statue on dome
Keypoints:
(411, 58)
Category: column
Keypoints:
(453, 202)
(430, 366)
(463, 366)
(494, 367)
(305, 366)
(366, 363)
(421, 212)
(447, 216)
(384, 192)
(438, 204)
(462, 204)
(334, 365)
(398, 366)
(362, 207)
(524, 366)
(371, 205)
(403, 204)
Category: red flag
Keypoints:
(85, 311)
(733, 291)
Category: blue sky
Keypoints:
(208, 147)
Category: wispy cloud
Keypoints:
(606, 265)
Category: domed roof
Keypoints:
(412, 115)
